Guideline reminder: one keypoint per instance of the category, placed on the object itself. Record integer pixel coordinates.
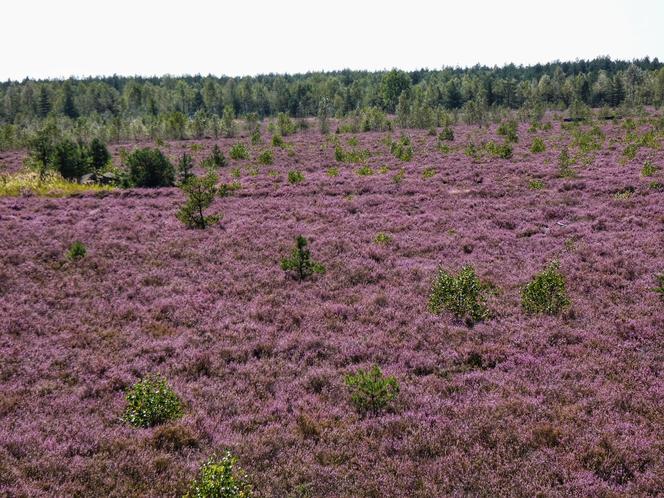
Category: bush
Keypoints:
(76, 251)
(71, 160)
(351, 156)
(537, 146)
(402, 148)
(256, 137)
(333, 171)
(370, 391)
(239, 151)
(365, 170)
(151, 402)
(266, 157)
(649, 169)
(295, 176)
(184, 168)
(149, 168)
(300, 264)
(217, 158)
(277, 141)
(536, 184)
(285, 125)
(226, 189)
(220, 478)
(399, 176)
(99, 155)
(200, 193)
(659, 279)
(429, 172)
(565, 164)
(463, 295)
(382, 238)
(509, 130)
(503, 151)
(447, 134)
(545, 293)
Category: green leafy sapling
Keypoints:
(200, 193)
(299, 264)
(371, 392)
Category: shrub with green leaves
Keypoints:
(220, 478)
(402, 148)
(447, 134)
(185, 168)
(399, 176)
(429, 172)
(216, 157)
(463, 295)
(371, 392)
(546, 292)
(150, 402)
(659, 279)
(565, 164)
(537, 146)
(239, 151)
(365, 170)
(277, 141)
(76, 251)
(333, 171)
(200, 192)
(149, 168)
(227, 189)
(649, 169)
(295, 176)
(503, 151)
(509, 130)
(285, 125)
(70, 159)
(536, 184)
(99, 155)
(299, 264)
(382, 238)
(266, 157)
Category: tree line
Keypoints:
(168, 100)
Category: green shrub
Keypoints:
(71, 160)
(200, 192)
(300, 264)
(463, 295)
(185, 168)
(220, 478)
(382, 238)
(256, 137)
(333, 171)
(402, 148)
(227, 189)
(472, 151)
(370, 391)
(659, 279)
(351, 156)
(537, 146)
(285, 125)
(277, 141)
(150, 402)
(99, 155)
(266, 157)
(295, 176)
(399, 176)
(503, 151)
(76, 251)
(509, 130)
(447, 134)
(649, 169)
(428, 172)
(149, 168)
(365, 170)
(536, 184)
(217, 158)
(545, 293)
(239, 151)
(565, 164)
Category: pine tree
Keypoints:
(68, 107)
(44, 102)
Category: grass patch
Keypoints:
(50, 185)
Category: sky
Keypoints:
(59, 39)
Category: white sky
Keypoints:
(61, 38)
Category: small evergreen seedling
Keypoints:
(184, 168)
(200, 194)
(537, 146)
(546, 293)
(295, 176)
(217, 158)
(239, 151)
(447, 134)
(402, 148)
(649, 169)
(659, 279)
(463, 295)
(300, 264)
(277, 141)
(76, 251)
(220, 478)
(382, 238)
(370, 391)
(509, 130)
(150, 402)
(266, 157)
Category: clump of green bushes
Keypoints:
(299, 264)
(149, 168)
(220, 478)
(150, 402)
(546, 292)
(200, 192)
(371, 392)
(463, 295)
(402, 148)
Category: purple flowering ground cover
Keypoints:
(569, 405)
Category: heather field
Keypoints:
(516, 404)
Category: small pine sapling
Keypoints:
(200, 193)
(371, 392)
(300, 264)
(185, 168)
